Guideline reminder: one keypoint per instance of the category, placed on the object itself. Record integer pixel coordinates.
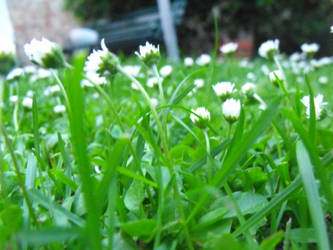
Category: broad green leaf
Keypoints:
(139, 228)
(134, 196)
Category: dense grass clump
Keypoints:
(131, 163)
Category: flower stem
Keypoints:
(61, 86)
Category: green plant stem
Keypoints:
(62, 89)
(159, 81)
(209, 170)
(166, 150)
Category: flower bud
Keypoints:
(224, 89)
(276, 76)
(45, 53)
(7, 56)
(200, 116)
(269, 48)
(149, 53)
(231, 110)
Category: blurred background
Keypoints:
(247, 22)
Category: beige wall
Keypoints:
(37, 18)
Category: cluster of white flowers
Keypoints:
(318, 105)
(224, 89)
(153, 81)
(269, 48)
(229, 48)
(199, 83)
(203, 60)
(59, 108)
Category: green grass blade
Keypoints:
(278, 199)
(312, 194)
(47, 235)
(78, 138)
(53, 206)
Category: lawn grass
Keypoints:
(116, 171)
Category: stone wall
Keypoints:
(39, 18)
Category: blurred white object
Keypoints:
(81, 37)
(6, 27)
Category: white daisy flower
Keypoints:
(199, 83)
(231, 109)
(249, 88)
(269, 48)
(188, 61)
(133, 70)
(59, 108)
(318, 105)
(15, 74)
(203, 60)
(44, 53)
(276, 75)
(323, 79)
(166, 70)
(152, 82)
(154, 101)
(27, 102)
(229, 48)
(224, 89)
(148, 53)
(198, 113)
(13, 98)
(310, 48)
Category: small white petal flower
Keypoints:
(134, 86)
(133, 70)
(96, 61)
(59, 108)
(249, 88)
(251, 76)
(331, 29)
(203, 60)
(152, 82)
(318, 105)
(44, 53)
(30, 69)
(166, 70)
(224, 89)
(323, 79)
(15, 74)
(13, 98)
(244, 63)
(229, 48)
(296, 57)
(30, 93)
(188, 61)
(27, 102)
(264, 68)
(275, 76)
(202, 113)
(7, 55)
(310, 48)
(93, 77)
(269, 48)
(149, 53)
(199, 83)
(154, 101)
(231, 109)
